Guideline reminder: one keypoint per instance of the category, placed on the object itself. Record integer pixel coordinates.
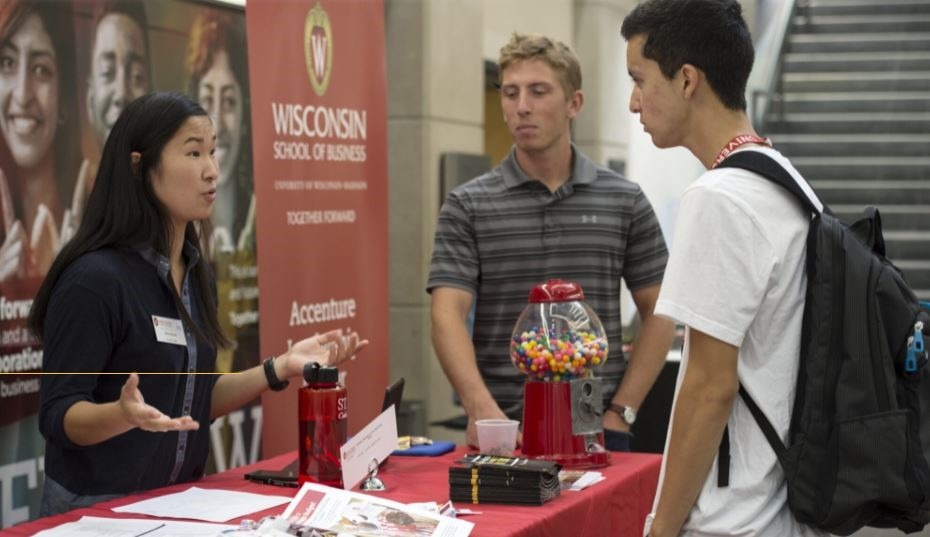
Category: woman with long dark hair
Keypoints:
(132, 292)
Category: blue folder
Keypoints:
(427, 450)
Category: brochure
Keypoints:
(332, 511)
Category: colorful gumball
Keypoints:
(558, 356)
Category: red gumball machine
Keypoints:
(557, 343)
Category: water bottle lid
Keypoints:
(329, 375)
(313, 372)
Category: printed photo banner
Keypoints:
(68, 69)
(319, 122)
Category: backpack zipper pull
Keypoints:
(919, 336)
(919, 347)
(915, 345)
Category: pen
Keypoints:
(146, 532)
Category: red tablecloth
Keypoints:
(616, 506)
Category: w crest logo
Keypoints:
(318, 48)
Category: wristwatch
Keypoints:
(626, 413)
(274, 382)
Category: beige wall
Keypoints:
(601, 131)
(503, 17)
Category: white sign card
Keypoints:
(369, 447)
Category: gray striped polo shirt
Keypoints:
(502, 233)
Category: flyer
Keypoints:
(336, 511)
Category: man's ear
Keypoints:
(135, 161)
(691, 76)
(575, 104)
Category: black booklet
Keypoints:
(509, 480)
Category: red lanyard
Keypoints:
(736, 142)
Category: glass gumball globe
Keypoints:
(558, 337)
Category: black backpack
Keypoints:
(853, 456)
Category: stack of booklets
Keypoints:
(510, 480)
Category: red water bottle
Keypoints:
(322, 415)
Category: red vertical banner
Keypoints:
(317, 77)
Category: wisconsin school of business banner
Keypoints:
(317, 71)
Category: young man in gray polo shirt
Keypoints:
(546, 212)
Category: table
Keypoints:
(616, 506)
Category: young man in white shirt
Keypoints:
(735, 277)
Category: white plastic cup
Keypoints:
(497, 437)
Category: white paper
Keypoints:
(350, 513)
(91, 526)
(579, 480)
(368, 448)
(212, 505)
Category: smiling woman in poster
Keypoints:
(39, 132)
(217, 67)
(219, 80)
(132, 292)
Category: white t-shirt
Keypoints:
(736, 272)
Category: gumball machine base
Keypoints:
(548, 430)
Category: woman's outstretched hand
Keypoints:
(327, 349)
(147, 417)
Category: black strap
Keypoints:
(723, 459)
(869, 230)
(774, 440)
(723, 471)
(766, 166)
(274, 382)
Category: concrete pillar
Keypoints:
(602, 129)
(552, 18)
(435, 85)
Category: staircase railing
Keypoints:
(762, 87)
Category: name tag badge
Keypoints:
(169, 330)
